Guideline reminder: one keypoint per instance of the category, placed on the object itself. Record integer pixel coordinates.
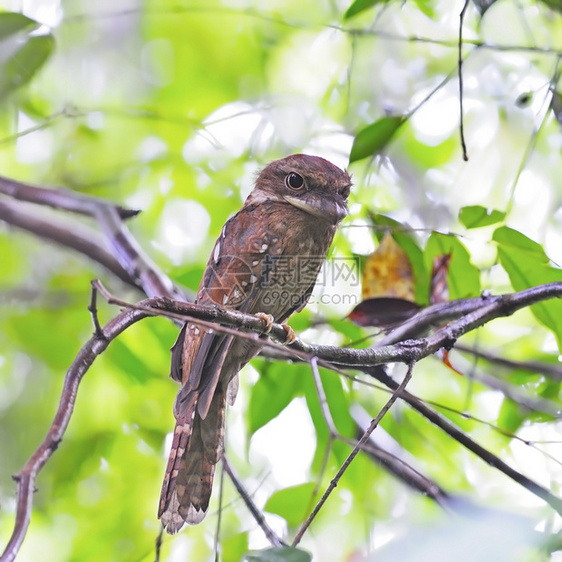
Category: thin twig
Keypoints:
(501, 431)
(461, 95)
(93, 310)
(327, 415)
(158, 544)
(48, 121)
(397, 466)
(490, 307)
(514, 393)
(324, 408)
(81, 239)
(110, 218)
(219, 515)
(549, 370)
(456, 433)
(530, 146)
(256, 513)
(402, 470)
(453, 44)
(423, 407)
(374, 423)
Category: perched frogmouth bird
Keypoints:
(266, 260)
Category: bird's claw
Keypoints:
(291, 336)
(268, 319)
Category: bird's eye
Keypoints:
(294, 181)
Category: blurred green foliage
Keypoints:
(172, 108)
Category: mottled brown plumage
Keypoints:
(266, 259)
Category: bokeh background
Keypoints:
(172, 107)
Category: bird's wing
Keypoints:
(240, 265)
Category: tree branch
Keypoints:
(26, 477)
(456, 433)
(514, 393)
(396, 464)
(256, 513)
(60, 198)
(82, 240)
(470, 314)
(138, 267)
(461, 86)
(549, 370)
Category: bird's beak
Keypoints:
(329, 208)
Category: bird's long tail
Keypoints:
(197, 446)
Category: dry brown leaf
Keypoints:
(383, 312)
(439, 291)
(388, 272)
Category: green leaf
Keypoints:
(511, 239)
(12, 22)
(528, 266)
(278, 384)
(233, 548)
(361, 5)
(23, 52)
(281, 554)
(476, 216)
(351, 331)
(375, 137)
(60, 337)
(511, 416)
(463, 277)
(426, 7)
(293, 504)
